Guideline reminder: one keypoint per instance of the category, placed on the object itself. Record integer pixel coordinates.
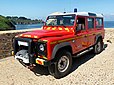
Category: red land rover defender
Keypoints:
(64, 35)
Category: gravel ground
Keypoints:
(89, 69)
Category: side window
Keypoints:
(90, 23)
(80, 23)
(99, 22)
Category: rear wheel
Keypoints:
(63, 64)
(98, 46)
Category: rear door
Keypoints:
(91, 31)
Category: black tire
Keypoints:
(98, 47)
(63, 64)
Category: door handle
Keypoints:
(93, 34)
(85, 36)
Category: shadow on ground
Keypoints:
(40, 70)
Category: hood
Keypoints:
(45, 33)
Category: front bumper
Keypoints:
(42, 62)
(39, 61)
(33, 57)
(22, 58)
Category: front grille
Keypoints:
(21, 44)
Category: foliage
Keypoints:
(8, 23)
(23, 20)
(5, 24)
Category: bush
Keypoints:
(6, 24)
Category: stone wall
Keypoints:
(6, 44)
(6, 41)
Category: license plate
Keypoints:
(22, 43)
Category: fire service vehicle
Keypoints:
(63, 36)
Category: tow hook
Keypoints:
(31, 66)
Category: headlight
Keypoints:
(41, 47)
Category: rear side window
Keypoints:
(90, 23)
(99, 22)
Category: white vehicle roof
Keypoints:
(79, 13)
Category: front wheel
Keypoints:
(63, 64)
(98, 46)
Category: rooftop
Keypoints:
(79, 13)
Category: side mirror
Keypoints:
(44, 23)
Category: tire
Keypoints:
(98, 47)
(63, 64)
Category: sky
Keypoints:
(39, 9)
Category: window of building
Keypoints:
(90, 23)
(99, 22)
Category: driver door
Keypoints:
(81, 34)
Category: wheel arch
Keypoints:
(99, 36)
(61, 46)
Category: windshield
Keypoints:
(59, 20)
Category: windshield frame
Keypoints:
(60, 20)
